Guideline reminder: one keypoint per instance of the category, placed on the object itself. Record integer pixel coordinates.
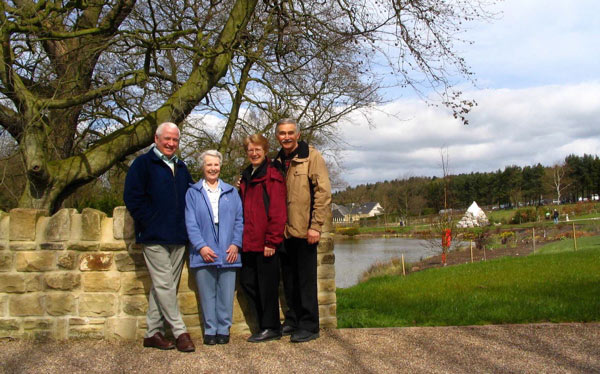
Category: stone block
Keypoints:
(60, 303)
(76, 321)
(187, 283)
(91, 224)
(326, 258)
(192, 320)
(130, 261)
(326, 285)
(328, 322)
(26, 305)
(327, 310)
(12, 283)
(121, 328)
(53, 246)
(3, 305)
(113, 246)
(82, 246)
(4, 223)
(326, 272)
(35, 261)
(58, 227)
(95, 261)
(238, 329)
(86, 332)
(135, 283)
(62, 280)
(38, 324)
(101, 282)
(97, 305)
(136, 305)
(23, 221)
(188, 304)
(4, 246)
(34, 282)
(22, 246)
(326, 298)
(123, 227)
(197, 334)
(6, 261)
(325, 245)
(9, 324)
(62, 329)
(67, 260)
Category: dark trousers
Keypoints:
(259, 279)
(299, 273)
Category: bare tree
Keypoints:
(85, 84)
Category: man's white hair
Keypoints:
(162, 126)
(210, 152)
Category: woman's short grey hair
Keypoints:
(210, 152)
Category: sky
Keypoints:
(537, 67)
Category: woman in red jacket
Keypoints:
(263, 193)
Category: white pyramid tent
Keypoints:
(474, 217)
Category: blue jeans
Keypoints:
(216, 287)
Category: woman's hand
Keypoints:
(232, 253)
(269, 251)
(208, 254)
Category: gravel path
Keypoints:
(537, 348)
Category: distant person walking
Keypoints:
(555, 216)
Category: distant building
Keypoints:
(354, 212)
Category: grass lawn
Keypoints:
(556, 287)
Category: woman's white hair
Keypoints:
(210, 152)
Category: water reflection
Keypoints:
(354, 257)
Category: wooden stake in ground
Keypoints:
(471, 251)
(574, 236)
(403, 269)
(533, 236)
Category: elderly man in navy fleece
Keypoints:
(154, 194)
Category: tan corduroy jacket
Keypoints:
(308, 192)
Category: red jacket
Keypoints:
(260, 230)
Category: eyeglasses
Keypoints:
(254, 150)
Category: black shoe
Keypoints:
(210, 339)
(222, 339)
(301, 336)
(287, 330)
(264, 336)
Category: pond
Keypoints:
(354, 257)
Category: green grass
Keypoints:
(567, 245)
(556, 287)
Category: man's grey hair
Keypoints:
(289, 121)
(162, 126)
(210, 152)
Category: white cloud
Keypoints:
(520, 126)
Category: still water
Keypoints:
(354, 257)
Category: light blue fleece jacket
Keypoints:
(200, 227)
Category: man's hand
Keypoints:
(208, 254)
(269, 251)
(232, 253)
(313, 236)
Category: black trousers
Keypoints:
(259, 279)
(299, 273)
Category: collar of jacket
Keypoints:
(224, 186)
(300, 153)
(260, 172)
(154, 157)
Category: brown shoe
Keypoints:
(158, 341)
(184, 343)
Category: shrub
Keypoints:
(524, 215)
(348, 231)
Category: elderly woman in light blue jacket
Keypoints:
(214, 221)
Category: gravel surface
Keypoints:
(536, 348)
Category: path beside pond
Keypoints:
(536, 348)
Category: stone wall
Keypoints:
(81, 275)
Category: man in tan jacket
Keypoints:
(308, 206)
